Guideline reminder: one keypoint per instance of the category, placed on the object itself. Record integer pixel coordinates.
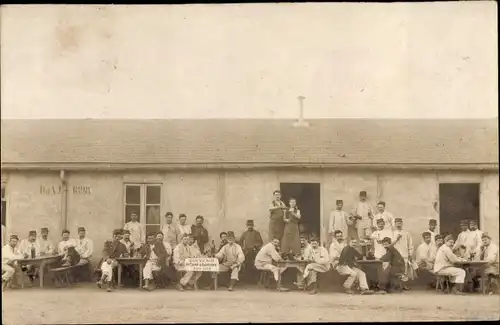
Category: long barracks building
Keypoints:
(93, 173)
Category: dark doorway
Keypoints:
(308, 201)
(457, 201)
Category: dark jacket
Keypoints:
(200, 235)
(114, 249)
(250, 240)
(349, 255)
(158, 249)
(396, 261)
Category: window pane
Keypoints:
(4, 211)
(132, 208)
(133, 194)
(153, 194)
(152, 228)
(153, 215)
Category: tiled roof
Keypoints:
(227, 141)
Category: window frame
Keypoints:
(4, 200)
(143, 205)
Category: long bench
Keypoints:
(63, 274)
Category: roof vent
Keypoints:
(301, 122)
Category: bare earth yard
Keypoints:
(87, 304)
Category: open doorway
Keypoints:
(308, 201)
(457, 201)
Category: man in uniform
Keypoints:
(170, 231)
(183, 227)
(156, 255)
(250, 241)
(200, 234)
(137, 231)
(305, 252)
(444, 265)
(182, 252)
(112, 250)
(378, 235)
(46, 245)
(30, 248)
(364, 215)
(393, 267)
(84, 246)
(386, 215)
(10, 255)
(424, 260)
(338, 219)
(231, 258)
(265, 257)
(476, 239)
(432, 231)
(319, 262)
(464, 238)
(276, 218)
(347, 266)
(489, 253)
(404, 245)
(336, 248)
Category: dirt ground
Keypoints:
(87, 304)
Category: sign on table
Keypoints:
(202, 264)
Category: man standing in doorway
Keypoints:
(476, 239)
(137, 231)
(386, 215)
(276, 218)
(465, 238)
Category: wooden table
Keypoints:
(41, 262)
(283, 265)
(478, 265)
(130, 261)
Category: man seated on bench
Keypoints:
(62, 247)
(112, 250)
(425, 262)
(10, 255)
(84, 246)
(46, 245)
(231, 258)
(319, 262)
(30, 248)
(265, 258)
(305, 248)
(393, 268)
(347, 266)
(489, 253)
(155, 253)
(182, 252)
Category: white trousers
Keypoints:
(456, 274)
(270, 267)
(234, 272)
(107, 269)
(148, 269)
(8, 272)
(354, 274)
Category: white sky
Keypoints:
(397, 60)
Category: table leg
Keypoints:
(41, 273)
(279, 279)
(119, 275)
(216, 276)
(140, 276)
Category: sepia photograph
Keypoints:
(249, 163)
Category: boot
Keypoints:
(180, 287)
(146, 285)
(232, 283)
(314, 288)
(108, 289)
(458, 289)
